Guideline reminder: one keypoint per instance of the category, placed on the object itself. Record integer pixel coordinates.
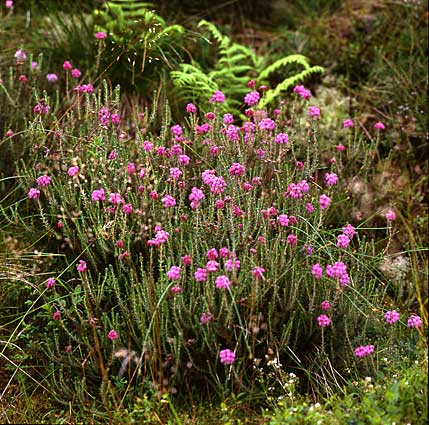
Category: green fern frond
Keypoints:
(223, 40)
(297, 59)
(287, 83)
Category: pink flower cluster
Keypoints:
(331, 179)
(196, 197)
(227, 356)
(216, 184)
(414, 321)
(251, 98)
(338, 271)
(323, 320)
(218, 97)
(391, 316)
(364, 351)
(343, 240)
(298, 190)
(301, 91)
(161, 237)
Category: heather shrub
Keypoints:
(195, 257)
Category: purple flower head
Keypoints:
(343, 241)
(82, 266)
(98, 195)
(258, 272)
(205, 318)
(72, 171)
(324, 201)
(33, 193)
(168, 201)
(217, 97)
(50, 282)
(227, 356)
(43, 181)
(174, 273)
(331, 179)
(323, 320)
(314, 112)
(348, 123)
(251, 98)
(390, 215)
(20, 56)
(112, 335)
(379, 125)
(302, 92)
(223, 282)
(100, 35)
(364, 350)
(228, 119)
(76, 73)
(414, 321)
(200, 275)
(191, 108)
(267, 124)
(391, 316)
(52, 78)
(317, 271)
(282, 138)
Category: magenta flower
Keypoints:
(223, 282)
(43, 181)
(325, 305)
(251, 98)
(41, 108)
(349, 231)
(258, 272)
(82, 266)
(379, 125)
(212, 266)
(200, 275)
(292, 240)
(76, 73)
(176, 130)
(343, 241)
(390, 215)
(33, 193)
(8, 3)
(56, 315)
(232, 264)
(302, 92)
(67, 66)
(168, 201)
(127, 208)
(72, 171)
(112, 335)
(98, 195)
(186, 260)
(236, 169)
(314, 112)
(217, 97)
(324, 201)
(317, 271)
(364, 350)
(267, 124)
(228, 119)
(20, 56)
(331, 179)
(52, 78)
(227, 356)
(34, 65)
(100, 35)
(50, 282)
(391, 316)
(282, 138)
(283, 220)
(205, 318)
(115, 119)
(323, 320)
(348, 123)
(174, 273)
(414, 321)
(191, 108)
(232, 133)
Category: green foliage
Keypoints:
(234, 66)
